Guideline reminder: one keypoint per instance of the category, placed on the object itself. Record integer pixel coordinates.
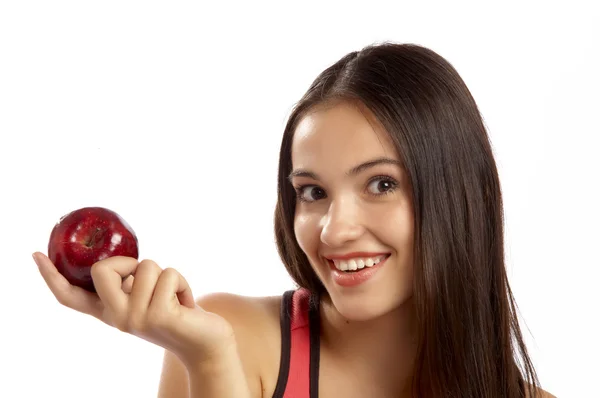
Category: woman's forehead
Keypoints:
(338, 132)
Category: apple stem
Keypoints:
(92, 241)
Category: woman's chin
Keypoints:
(357, 309)
(363, 307)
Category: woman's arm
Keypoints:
(234, 375)
(157, 305)
(224, 378)
(174, 379)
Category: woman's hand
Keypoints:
(154, 304)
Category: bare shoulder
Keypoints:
(256, 324)
(254, 321)
(246, 312)
(546, 394)
(541, 394)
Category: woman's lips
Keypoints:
(355, 278)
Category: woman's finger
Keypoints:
(127, 284)
(108, 275)
(146, 277)
(172, 284)
(68, 295)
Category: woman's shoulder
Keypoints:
(540, 394)
(243, 312)
(255, 319)
(257, 328)
(255, 324)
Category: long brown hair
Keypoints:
(469, 338)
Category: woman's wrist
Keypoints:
(219, 376)
(215, 362)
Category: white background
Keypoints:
(171, 113)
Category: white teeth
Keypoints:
(352, 266)
(357, 263)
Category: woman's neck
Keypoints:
(381, 349)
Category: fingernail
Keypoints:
(35, 259)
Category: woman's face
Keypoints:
(354, 200)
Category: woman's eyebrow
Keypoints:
(352, 172)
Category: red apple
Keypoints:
(86, 236)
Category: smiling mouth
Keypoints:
(357, 272)
(357, 264)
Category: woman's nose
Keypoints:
(341, 224)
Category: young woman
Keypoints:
(390, 221)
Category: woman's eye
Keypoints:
(310, 193)
(381, 186)
(376, 187)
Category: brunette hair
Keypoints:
(469, 336)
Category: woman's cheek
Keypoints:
(306, 233)
(392, 226)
